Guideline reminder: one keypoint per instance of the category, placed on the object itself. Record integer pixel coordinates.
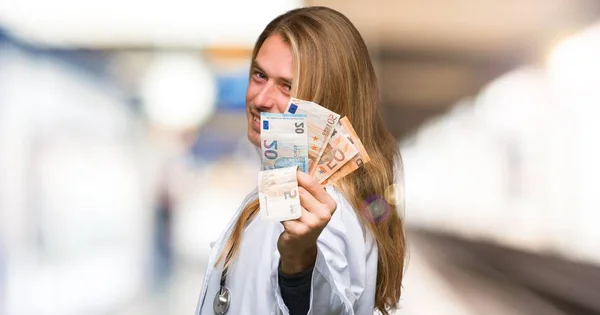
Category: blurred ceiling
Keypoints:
(431, 53)
(428, 53)
(119, 24)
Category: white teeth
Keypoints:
(255, 118)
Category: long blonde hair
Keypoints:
(332, 67)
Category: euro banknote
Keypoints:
(278, 194)
(356, 162)
(340, 149)
(283, 141)
(321, 123)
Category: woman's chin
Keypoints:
(254, 139)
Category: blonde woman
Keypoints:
(341, 256)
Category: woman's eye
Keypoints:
(259, 75)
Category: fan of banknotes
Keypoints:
(308, 137)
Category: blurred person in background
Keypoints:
(340, 256)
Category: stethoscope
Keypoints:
(222, 299)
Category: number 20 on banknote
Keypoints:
(284, 141)
(278, 194)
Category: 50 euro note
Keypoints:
(340, 149)
(278, 194)
(321, 123)
(356, 162)
(283, 141)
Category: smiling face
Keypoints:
(270, 83)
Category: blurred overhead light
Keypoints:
(114, 23)
(575, 70)
(512, 103)
(178, 91)
(575, 67)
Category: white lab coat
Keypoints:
(343, 280)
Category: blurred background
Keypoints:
(123, 150)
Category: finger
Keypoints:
(308, 217)
(307, 224)
(308, 201)
(304, 214)
(320, 211)
(312, 186)
(298, 226)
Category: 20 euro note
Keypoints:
(278, 194)
(283, 141)
(321, 122)
(340, 149)
(356, 162)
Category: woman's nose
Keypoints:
(266, 97)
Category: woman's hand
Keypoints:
(297, 244)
